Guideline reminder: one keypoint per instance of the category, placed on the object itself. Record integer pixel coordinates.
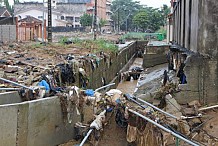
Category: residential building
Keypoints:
(4, 12)
(195, 35)
(65, 12)
(30, 28)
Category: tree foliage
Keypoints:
(86, 20)
(131, 11)
(102, 23)
(141, 20)
(124, 10)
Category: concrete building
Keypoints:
(195, 36)
(64, 12)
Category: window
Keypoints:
(62, 17)
(53, 1)
(40, 17)
(76, 26)
(69, 18)
(77, 19)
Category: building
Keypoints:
(64, 12)
(4, 12)
(30, 28)
(195, 38)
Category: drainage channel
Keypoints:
(113, 134)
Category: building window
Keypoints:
(62, 17)
(40, 17)
(69, 18)
(76, 26)
(53, 1)
(77, 19)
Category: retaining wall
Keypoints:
(155, 55)
(35, 123)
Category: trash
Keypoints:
(89, 92)
(45, 84)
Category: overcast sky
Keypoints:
(149, 3)
(154, 3)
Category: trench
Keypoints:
(113, 135)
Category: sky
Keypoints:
(149, 3)
(154, 3)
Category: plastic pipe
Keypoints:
(162, 127)
(85, 138)
(15, 89)
(151, 105)
(5, 80)
(96, 90)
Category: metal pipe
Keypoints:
(96, 90)
(129, 97)
(10, 89)
(162, 127)
(5, 80)
(151, 105)
(85, 138)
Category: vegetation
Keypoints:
(102, 23)
(130, 14)
(86, 20)
(95, 45)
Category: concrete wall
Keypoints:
(155, 55)
(201, 38)
(109, 69)
(8, 33)
(9, 97)
(35, 123)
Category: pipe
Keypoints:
(10, 89)
(85, 138)
(5, 80)
(162, 127)
(151, 105)
(96, 90)
(93, 124)
(129, 97)
(206, 108)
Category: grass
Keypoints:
(95, 45)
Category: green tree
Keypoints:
(141, 20)
(8, 7)
(121, 12)
(102, 23)
(86, 20)
(165, 11)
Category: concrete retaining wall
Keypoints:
(110, 69)
(35, 123)
(155, 55)
(9, 98)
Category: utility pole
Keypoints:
(95, 21)
(118, 23)
(49, 22)
(43, 19)
(93, 18)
